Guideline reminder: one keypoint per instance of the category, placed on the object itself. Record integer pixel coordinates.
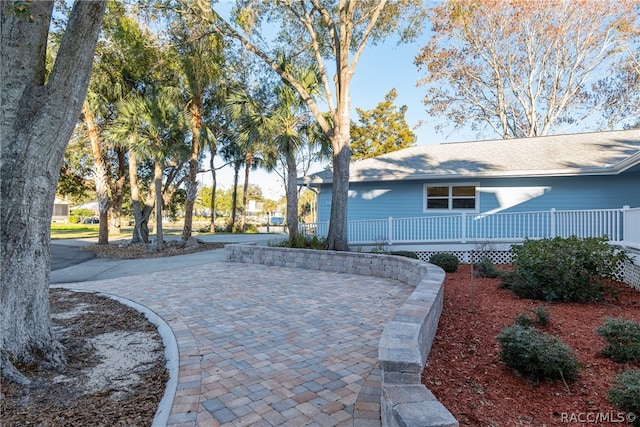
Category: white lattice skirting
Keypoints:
(628, 272)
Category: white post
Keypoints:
(625, 208)
(464, 228)
(552, 223)
(390, 230)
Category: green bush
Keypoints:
(486, 268)
(542, 316)
(623, 339)
(536, 354)
(302, 241)
(83, 212)
(524, 321)
(625, 393)
(251, 229)
(407, 254)
(507, 279)
(73, 219)
(564, 269)
(448, 262)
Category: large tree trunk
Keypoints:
(36, 122)
(292, 193)
(192, 184)
(340, 136)
(337, 238)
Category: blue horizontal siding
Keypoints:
(404, 199)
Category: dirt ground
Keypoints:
(115, 373)
(465, 373)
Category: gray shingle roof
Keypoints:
(574, 154)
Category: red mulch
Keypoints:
(467, 376)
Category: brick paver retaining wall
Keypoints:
(406, 340)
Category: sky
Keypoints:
(380, 69)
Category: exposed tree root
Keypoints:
(10, 372)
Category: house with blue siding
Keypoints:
(490, 191)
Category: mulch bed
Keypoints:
(465, 373)
(143, 250)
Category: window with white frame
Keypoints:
(450, 197)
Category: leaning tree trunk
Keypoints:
(36, 122)
(292, 193)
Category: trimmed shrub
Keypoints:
(541, 318)
(507, 279)
(536, 354)
(524, 321)
(564, 269)
(625, 393)
(447, 262)
(623, 339)
(486, 268)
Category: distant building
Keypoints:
(92, 206)
(60, 211)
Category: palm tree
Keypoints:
(201, 59)
(124, 133)
(155, 127)
(291, 126)
(251, 122)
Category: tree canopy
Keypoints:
(523, 68)
(332, 35)
(381, 130)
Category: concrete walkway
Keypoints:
(259, 345)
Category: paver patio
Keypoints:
(269, 346)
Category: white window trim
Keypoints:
(476, 185)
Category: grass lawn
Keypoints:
(83, 231)
(74, 231)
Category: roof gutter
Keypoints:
(510, 174)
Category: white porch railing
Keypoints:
(621, 226)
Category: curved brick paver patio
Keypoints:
(269, 346)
